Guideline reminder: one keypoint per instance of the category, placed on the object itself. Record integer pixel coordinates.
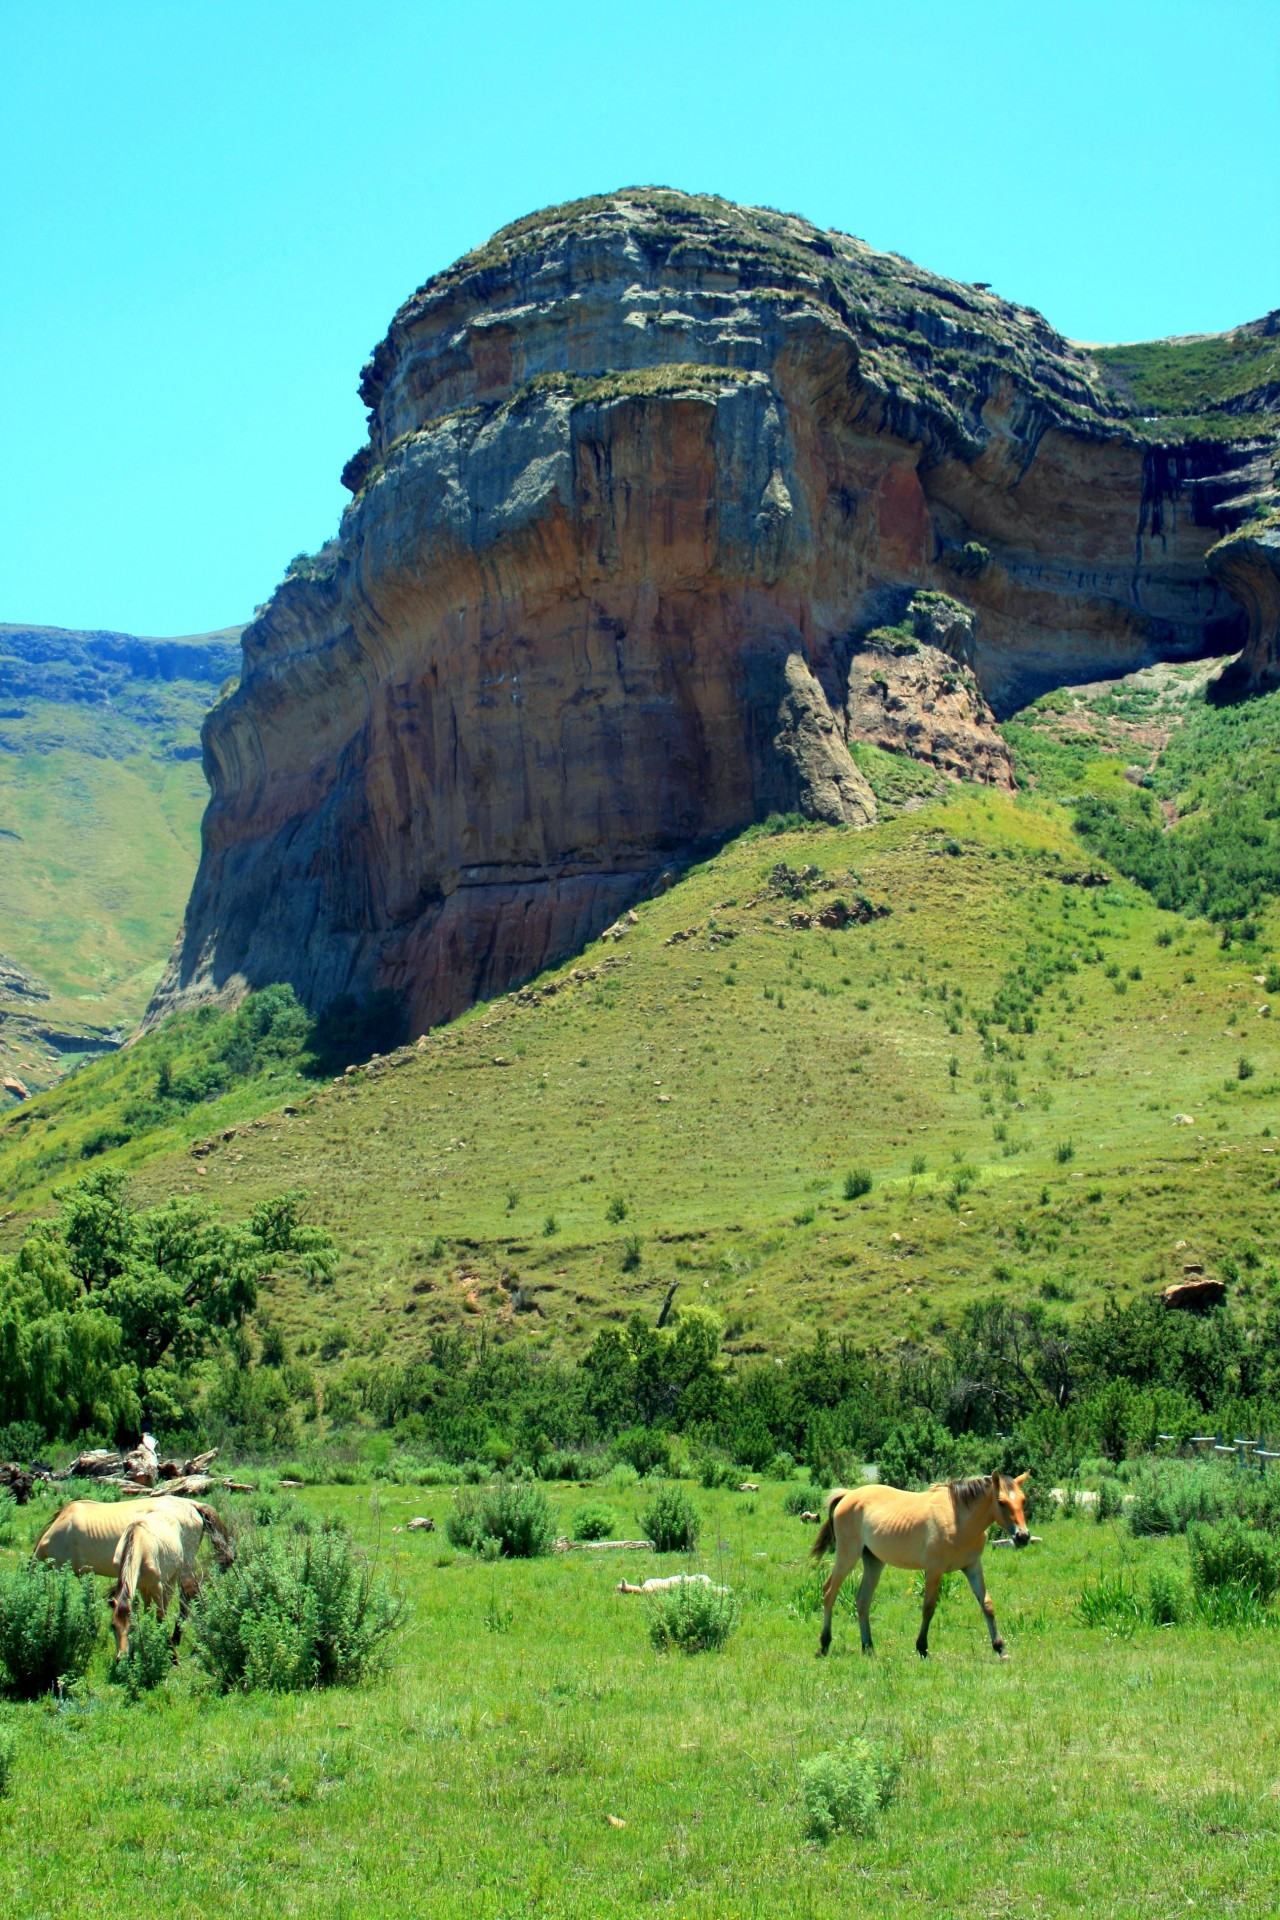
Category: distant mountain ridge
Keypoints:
(100, 800)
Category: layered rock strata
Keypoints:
(644, 475)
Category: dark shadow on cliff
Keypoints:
(351, 1031)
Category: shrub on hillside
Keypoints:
(693, 1617)
(296, 1610)
(671, 1521)
(856, 1183)
(593, 1521)
(843, 1791)
(8, 1746)
(48, 1627)
(511, 1520)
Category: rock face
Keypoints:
(643, 475)
(1247, 564)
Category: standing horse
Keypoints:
(89, 1537)
(155, 1555)
(939, 1531)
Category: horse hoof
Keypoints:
(923, 1652)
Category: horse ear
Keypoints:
(995, 1481)
(1021, 1477)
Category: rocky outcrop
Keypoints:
(1247, 564)
(912, 690)
(643, 476)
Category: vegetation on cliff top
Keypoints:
(1220, 387)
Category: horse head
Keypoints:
(121, 1615)
(1011, 1506)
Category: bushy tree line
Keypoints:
(1008, 1385)
(107, 1311)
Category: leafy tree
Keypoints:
(104, 1312)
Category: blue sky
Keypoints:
(209, 214)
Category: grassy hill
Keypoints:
(101, 793)
(1056, 1086)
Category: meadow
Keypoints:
(529, 1753)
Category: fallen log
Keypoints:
(563, 1545)
(419, 1524)
(99, 1463)
(1035, 1541)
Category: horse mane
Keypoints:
(220, 1538)
(965, 1492)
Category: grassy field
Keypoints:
(530, 1754)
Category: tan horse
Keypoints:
(156, 1554)
(88, 1536)
(940, 1531)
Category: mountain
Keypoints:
(101, 792)
(669, 510)
(829, 1078)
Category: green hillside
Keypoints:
(101, 793)
(1056, 1087)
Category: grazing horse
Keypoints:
(155, 1555)
(939, 1531)
(89, 1537)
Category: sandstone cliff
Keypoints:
(645, 476)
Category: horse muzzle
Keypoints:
(1020, 1537)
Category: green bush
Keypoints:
(647, 1449)
(149, 1661)
(1169, 1496)
(1108, 1501)
(693, 1617)
(48, 1627)
(1113, 1603)
(8, 1746)
(511, 1520)
(805, 1499)
(919, 1450)
(1233, 1555)
(843, 1791)
(856, 1183)
(296, 1610)
(715, 1471)
(593, 1521)
(8, 1518)
(671, 1521)
(1166, 1598)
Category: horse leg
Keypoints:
(932, 1582)
(847, 1548)
(188, 1587)
(974, 1576)
(871, 1571)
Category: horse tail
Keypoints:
(133, 1543)
(827, 1531)
(220, 1538)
